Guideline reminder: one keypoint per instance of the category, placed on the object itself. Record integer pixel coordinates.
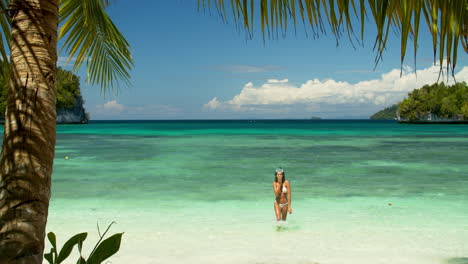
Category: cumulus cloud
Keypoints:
(113, 108)
(316, 94)
(213, 103)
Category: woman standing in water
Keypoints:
(282, 190)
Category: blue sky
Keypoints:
(191, 65)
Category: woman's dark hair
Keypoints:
(276, 177)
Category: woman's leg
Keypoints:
(277, 211)
(284, 212)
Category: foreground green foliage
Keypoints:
(102, 250)
(388, 113)
(68, 88)
(439, 99)
(88, 35)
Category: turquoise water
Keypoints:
(200, 191)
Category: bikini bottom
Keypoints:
(282, 205)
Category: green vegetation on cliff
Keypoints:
(388, 113)
(449, 102)
(68, 89)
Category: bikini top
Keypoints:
(285, 190)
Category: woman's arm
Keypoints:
(276, 189)
(289, 198)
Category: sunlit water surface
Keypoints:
(200, 191)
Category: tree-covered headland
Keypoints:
(388, 113)
(437, 101)
(68, 91)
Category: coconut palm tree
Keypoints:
(29, 139)
(30, 28)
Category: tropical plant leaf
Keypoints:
(49, 257)
(102, 250)
(6, 30)
(91, 37)
(105, 249)
(68, 246)
(447, 21)
(52, 239)
(81, 260)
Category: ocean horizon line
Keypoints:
(245, 119)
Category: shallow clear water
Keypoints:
(200, 191)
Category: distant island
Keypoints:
(315, 118)
(69, 102)
(431, 104)
(389, 113)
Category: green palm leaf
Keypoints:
(91, 37)
(5, 26)
(447, 20)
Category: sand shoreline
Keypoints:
(361, 234)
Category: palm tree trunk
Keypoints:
(29, 137)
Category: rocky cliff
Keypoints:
(431, 118)
(73, 115)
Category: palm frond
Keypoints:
(6, 30)
(447, 20)
(91, 37)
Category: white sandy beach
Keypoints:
(319, 231)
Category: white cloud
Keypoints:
(113, 108)
(320, 95)
(63, 61)
(213, 103)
